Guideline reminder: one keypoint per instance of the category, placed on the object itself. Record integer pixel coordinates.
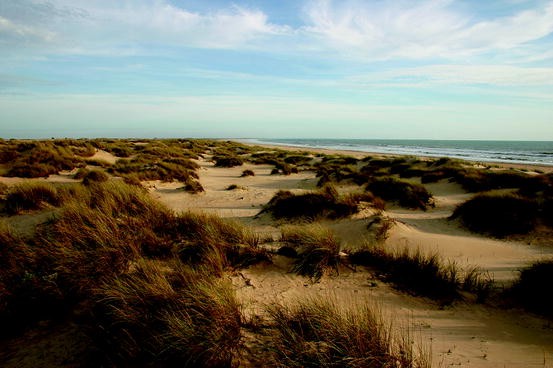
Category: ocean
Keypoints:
(522, 152)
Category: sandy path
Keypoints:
(254, 193)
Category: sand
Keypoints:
(465, 334)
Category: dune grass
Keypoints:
(167, 314)
(31, 195)
(317, 332)
(35, 159)
(95, 176)
(316, 249)
(423, 274)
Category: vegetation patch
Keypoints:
(316, 249)
(321, 333)
(325, 203)
(534, 288)
(247, 173)
(406, 194)
(421, 274)
(168, 315)
(498, 214)
(31, 196)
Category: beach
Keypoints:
(464, 333)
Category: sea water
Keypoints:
(523, 152)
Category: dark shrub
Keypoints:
(406, 194)
(228, 161)
(534, 288)
(309, 206)
(498, 214)
(247, 173)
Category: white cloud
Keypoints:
(497, 75)
(96, 26)
(13, 32)
(415, 29)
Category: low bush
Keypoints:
(316, 248)
(406, 194)
(95, 176)
(168, 315)
(534, 288)
(498, 214)
(310, 206)
(247, 173)
(322, 333)
(228, 161)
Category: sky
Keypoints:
(432, 69)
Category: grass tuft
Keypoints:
(168, 315)
(320, 332)
(316, 248)
(31, 196)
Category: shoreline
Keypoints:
(362, 154)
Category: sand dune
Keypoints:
(465, 334)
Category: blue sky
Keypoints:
(436, 69)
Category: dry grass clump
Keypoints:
(167, 315)
(32, 195)
(216, 242)
(117, 147)
(315, 247)
(498, 214)
(95, 176)
(534, 288)
(34, 159)
(407, 194)
(320, 332)
(325, 203)
(423, 274)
